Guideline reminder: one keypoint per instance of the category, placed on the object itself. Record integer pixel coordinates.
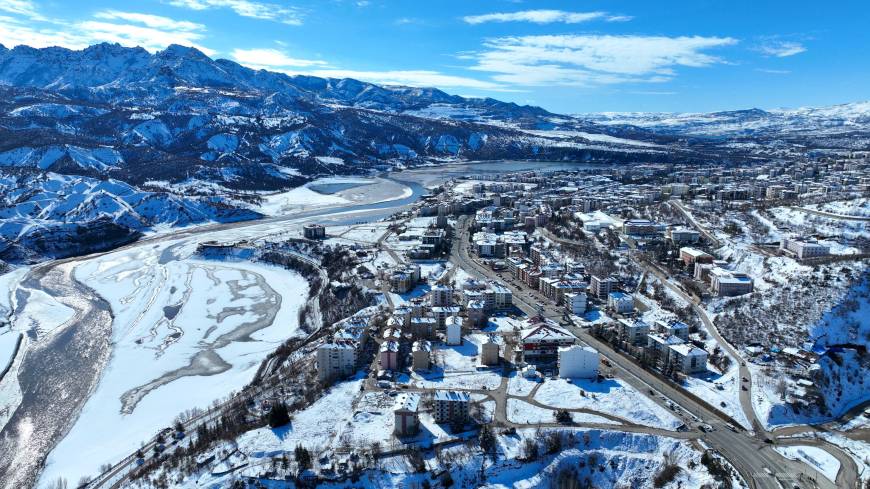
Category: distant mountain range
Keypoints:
(120, 137)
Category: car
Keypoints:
(723, 404)
(743, 387)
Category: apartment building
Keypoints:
(451, 407)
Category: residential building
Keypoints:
(388, 356)
(620, 302)
(601, 286)
(420, 354)
(489, 352)
(687, 358)
(336, 359)
(406, 414)
(575, 303)
(633, 331)
(453, 329)
(451, 407)
(673, 328)
(725, 283)
(441, 295)
(313, 231)
(578, 362)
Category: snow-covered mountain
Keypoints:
(835, 127)
(189, 129)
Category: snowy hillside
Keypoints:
(838, 126)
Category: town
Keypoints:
(525, 305)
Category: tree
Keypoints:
(278, 415)
(303, 457)
(486, 438)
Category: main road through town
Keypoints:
(759, 464)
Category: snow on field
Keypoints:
(815, 457)
(43, 313)
(455, 367)
(519, 385)
(854, 207)
(806, 223)
(519, 411)
(296, 200)
(315, 427)
(611, 396)
(637, 457)
(705, 388)
(504, 324)
(186, 331)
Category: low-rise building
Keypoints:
(691, 256)
(542, 339)
(683, 235)
(313, 231)
(673, 328)
(578, 362)
(725, 283)
(803, 249)
(639, 227)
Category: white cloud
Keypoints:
(584, 60)
(781, 49)
(246, 8)
(271, 58)
(151, 32)
(24, 8)
(773, 72)
(414, 78)
(148, 20)
(545, 17)
(276, 60)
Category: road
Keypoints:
(757, 462)
(831, 215)
(701, 229)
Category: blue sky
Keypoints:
(568, 56)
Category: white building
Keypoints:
(803, 249)
(441, 295)
(453, 327)
(633, 332)
(336, 359)
(575, 303)
(687, 358)
(620, 302)
(578, 362)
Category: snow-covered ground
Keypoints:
(522, 412)
(455, 367)
(854, 207)
(611, 396)
(815, 457)
(186, 331)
